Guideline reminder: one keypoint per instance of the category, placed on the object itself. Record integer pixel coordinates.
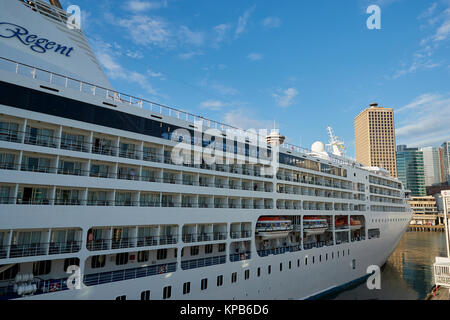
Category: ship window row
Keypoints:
(100, 169)
(384, 182)
(307, 178)
(55, 136)
(78, 140)
(39, 195)
(290, 189)
(25, 243)
(384, 191)
(124, 148)
(385, 200)
(304, 163)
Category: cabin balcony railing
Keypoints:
(127, 274)
(204, 262)
(10, 135)
(27, 250)
(43, 201)
(280, 250)
(318, 244)
(240, 256)
(241, 234)
(9, 166)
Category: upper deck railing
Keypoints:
(113, 96)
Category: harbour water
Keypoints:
(407, 275)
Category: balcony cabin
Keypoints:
(40, 134)
(128, 173)
(100, 197)
(9, 160)
(38, 163)
(9, 129)
(33, 195)
(98, 239)
(188, 201)
(74, 140)
(129, 149)
(152, 153)
(240, 230)
(151, 174)
(150, 199)
(240, 251)
(104, 145)
(7, 194)
(72, 166)
(26, 243)
(102, 170)
(126, 198)
(123, 237)
(147, 236)
(170, 200)
(64, 241)
(69, 197)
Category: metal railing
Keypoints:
(130, 242)
(280, 250)
(240, 256)
(39, 249)
(127, 274)
(204, 262)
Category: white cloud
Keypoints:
(244, 119)
(271, 22)
(115, 71)
(138, 6)
(423, 121)
(220, 33)
(213, 104)
(190, 37)
(255, 56)
(285, 98)
(189, 55)
(242, 21)
(145, 30)
(224, 90)
(134, 54)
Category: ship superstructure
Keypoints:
(105, 196)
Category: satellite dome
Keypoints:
(318, 146)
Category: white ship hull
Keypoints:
(230, 248)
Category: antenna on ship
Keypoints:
(337, 146)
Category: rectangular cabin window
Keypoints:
(161, 254)
(247, 274)
(145, 295)
(98, 261)
(42, 267)
(167, 292)
(204, 284)
(219, 280)
(233, 277)
(186, 287)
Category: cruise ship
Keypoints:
(108, 196)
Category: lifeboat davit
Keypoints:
(273, 227)
(314, 225)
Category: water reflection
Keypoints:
(407, 274)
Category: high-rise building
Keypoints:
(432, 165)
(375, 138)
(410, 170)
(446, 160)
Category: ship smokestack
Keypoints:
(56, 3)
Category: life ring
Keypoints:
(53, 287)
(161, 269)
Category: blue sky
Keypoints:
(305, 63)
